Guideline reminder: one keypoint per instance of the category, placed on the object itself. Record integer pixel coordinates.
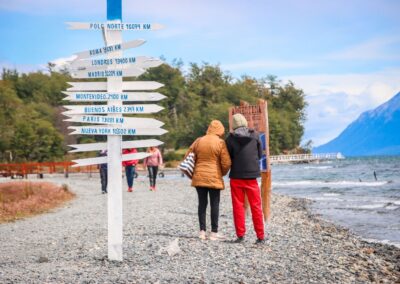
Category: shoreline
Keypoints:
(327, 224)
(70, 243)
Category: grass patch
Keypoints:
(23, 199)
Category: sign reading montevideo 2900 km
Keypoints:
(108, 62)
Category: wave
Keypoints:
(387, 205)
(331, 194)
(318, 183)
(325, 198)
(318, 167)
(385, 242)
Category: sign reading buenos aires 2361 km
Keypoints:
(108, 62)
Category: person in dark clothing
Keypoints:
(245, 149)
(103, 173)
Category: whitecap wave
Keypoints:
(318, 167)
(331, 184)
(369, 206)
(331, 194)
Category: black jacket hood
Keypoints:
(244, 135)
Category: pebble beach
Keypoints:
(69, 244)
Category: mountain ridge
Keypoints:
(374, 132)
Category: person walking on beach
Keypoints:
(152, 163)
(245, 150)
(103, 172)
(130, 168)
(212, 163)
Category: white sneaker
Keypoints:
(216, 237)
(202, 235)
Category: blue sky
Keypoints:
(345, 55)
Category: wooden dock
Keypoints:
(305, 158)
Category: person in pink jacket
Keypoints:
(130, 168)
(152, 163)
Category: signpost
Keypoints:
(127, 86)
(112, 107)
(104, 96)
(108, 62)
(103, 160)
(92, 64)
(116, 120)
(110, 48)
(125, 145)
(108, 130)
(114, 26)
(105, 73)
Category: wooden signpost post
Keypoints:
(257, 118)
(108, 62)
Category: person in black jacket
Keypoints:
(245, 149)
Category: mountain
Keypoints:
(375, 132)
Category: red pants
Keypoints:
(249, 187)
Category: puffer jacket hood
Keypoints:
(212, 158)
(216, 128)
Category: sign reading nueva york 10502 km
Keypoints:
(109, 130)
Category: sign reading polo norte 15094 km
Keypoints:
(108, 119)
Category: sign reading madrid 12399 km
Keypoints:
(128, 72)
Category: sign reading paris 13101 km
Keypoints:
(109, 108)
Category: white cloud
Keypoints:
(337, 100)
(373, 49)
(265, 64)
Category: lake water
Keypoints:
(346, 192)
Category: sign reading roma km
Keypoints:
(108, 62)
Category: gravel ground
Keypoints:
(69, 244)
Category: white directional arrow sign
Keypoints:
(103, 160)
(109, 49)
(127, 86)
(137, 122)
(131, 71)
(107, 130)
(104, 96)
(125, 145)
(113, 26)
(98, 109)
(121, 62)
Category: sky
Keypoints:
(345, 55)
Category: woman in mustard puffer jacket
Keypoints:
(212, 163)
